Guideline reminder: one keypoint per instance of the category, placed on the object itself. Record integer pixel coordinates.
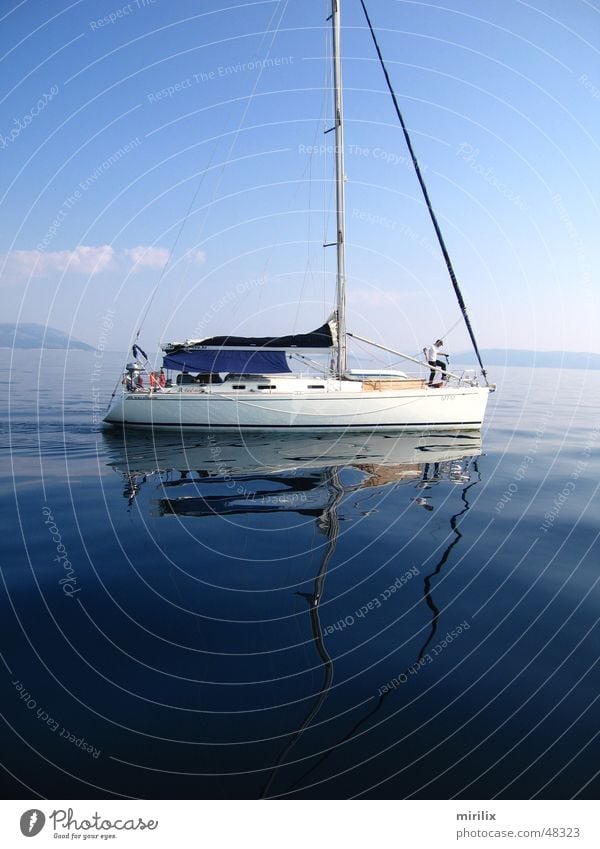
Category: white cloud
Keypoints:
(20, 266)
(146, 256)
(17, 266)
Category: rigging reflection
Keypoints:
(376, 702)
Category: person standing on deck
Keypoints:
(432, 355)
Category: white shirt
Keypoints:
(432, 353)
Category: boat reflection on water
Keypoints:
(217, 475)
(267, 473)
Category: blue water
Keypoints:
(314, 618)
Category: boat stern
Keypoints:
(116, 413)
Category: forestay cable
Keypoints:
(436, 226)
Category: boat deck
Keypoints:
(285, 384)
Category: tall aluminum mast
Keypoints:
(342, 360)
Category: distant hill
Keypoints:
(38, 336)
(530, 359)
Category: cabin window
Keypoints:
(316, 386)
(266, 386)
(238, 386)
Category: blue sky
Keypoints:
(118, 118)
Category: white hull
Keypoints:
(447, 408)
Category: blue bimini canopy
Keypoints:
(227, 360)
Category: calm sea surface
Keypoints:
(293, 617)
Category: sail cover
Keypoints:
(246, 354)
(322, 337)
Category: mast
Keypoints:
(342, 360)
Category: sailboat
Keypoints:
(246, 384)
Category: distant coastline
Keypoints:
(530, 359)
(38, 337)
(30, 336)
